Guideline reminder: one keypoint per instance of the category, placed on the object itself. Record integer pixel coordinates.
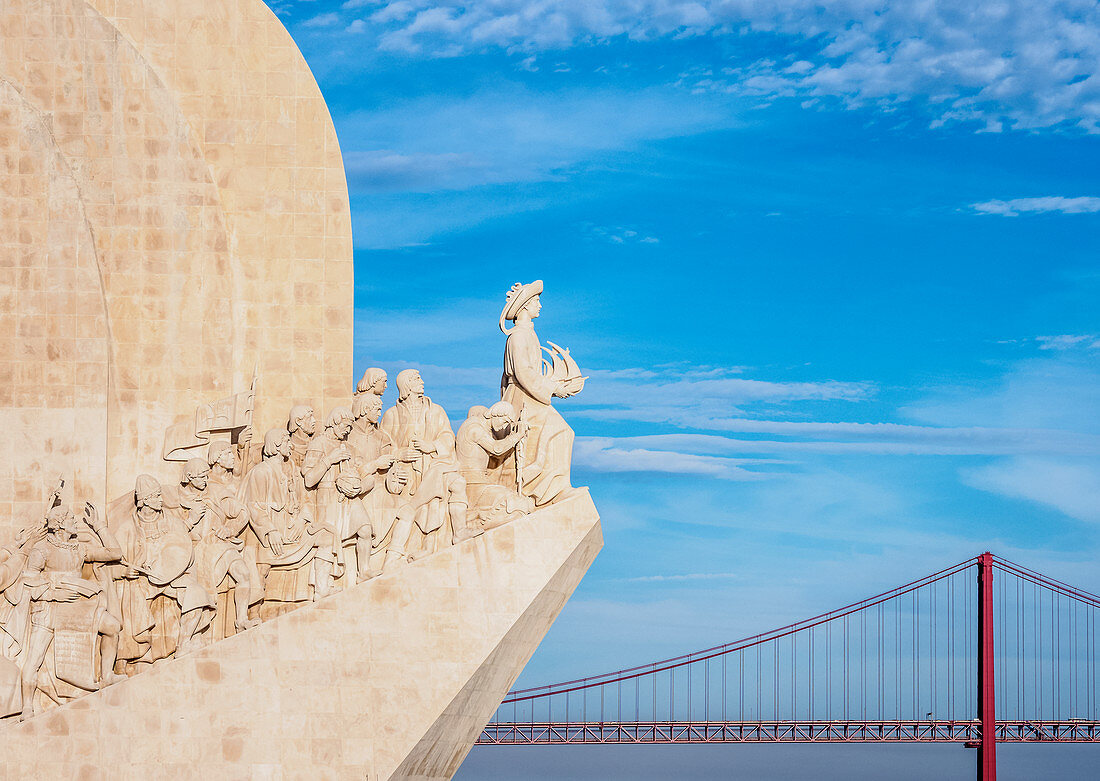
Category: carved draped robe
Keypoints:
(275, 496)
(150, 613)
(214, 555)
(431, 476)
(548, 449)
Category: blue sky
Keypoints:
(833, 272)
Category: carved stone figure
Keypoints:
(486, 446)
(217, 519)
(14, 616)
(68, 611)
(529, 383)
(374, 382)
(293, 552)
(301, 425)
(223, 459)
(391, 512)
(330, 469)
(424, 449)
(164, 604)
(369, 442)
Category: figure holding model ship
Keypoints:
(529, 384)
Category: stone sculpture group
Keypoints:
(251, 530)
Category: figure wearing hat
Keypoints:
(529, 383)
(164, 605)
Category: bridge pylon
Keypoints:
(987, 711)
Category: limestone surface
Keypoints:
(176, 220)
(393, 678)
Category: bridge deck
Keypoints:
(936, 731)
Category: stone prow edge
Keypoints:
(432, 748)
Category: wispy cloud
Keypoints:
(699, 398)
(683, 577)
(1069, 341)
(322, 20)
(384, 170)
(1015, 64)
(1071, 487)
(619, 234)
(606, 454)
(510, 133)
(1044, 205)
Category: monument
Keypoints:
(224, 557)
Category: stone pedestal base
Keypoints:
(393, 678)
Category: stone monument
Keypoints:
(286, 579)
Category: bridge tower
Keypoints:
(987, 748)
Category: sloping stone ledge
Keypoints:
(393, 678)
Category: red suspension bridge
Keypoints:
(983, 652)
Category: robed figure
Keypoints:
(163, 604)
(294, 554)
(529, 384)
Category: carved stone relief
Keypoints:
(249, 531)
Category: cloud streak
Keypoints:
(1025, 65)
(510, 133)
(1051, 204)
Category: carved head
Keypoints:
(409, 383)
(502, 416)
(147, 493)
(61, 521)
(374, 382)
(221, 453)
(521, 300)
(195, 473)
(366, 405)
(302, 419)
(277, 443)
(339, 422)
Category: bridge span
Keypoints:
(982, 652)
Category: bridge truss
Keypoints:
(982, 652)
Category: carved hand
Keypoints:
(409, 454)
(33, 538)
(64, 593)
(382, 463)
(275, 542)
(91, 517)
(349, 486)
(338, 455)
(245, 436)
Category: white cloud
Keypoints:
(698, 398)
(603, 455)
(1071, 487)
(383, 170)
(619, 234)
(683, 577)
(1051, 203)
(1006, 64)
(509, 133)
(866, 439)
(322, 20)
(1069, 341)
(1058, 391)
